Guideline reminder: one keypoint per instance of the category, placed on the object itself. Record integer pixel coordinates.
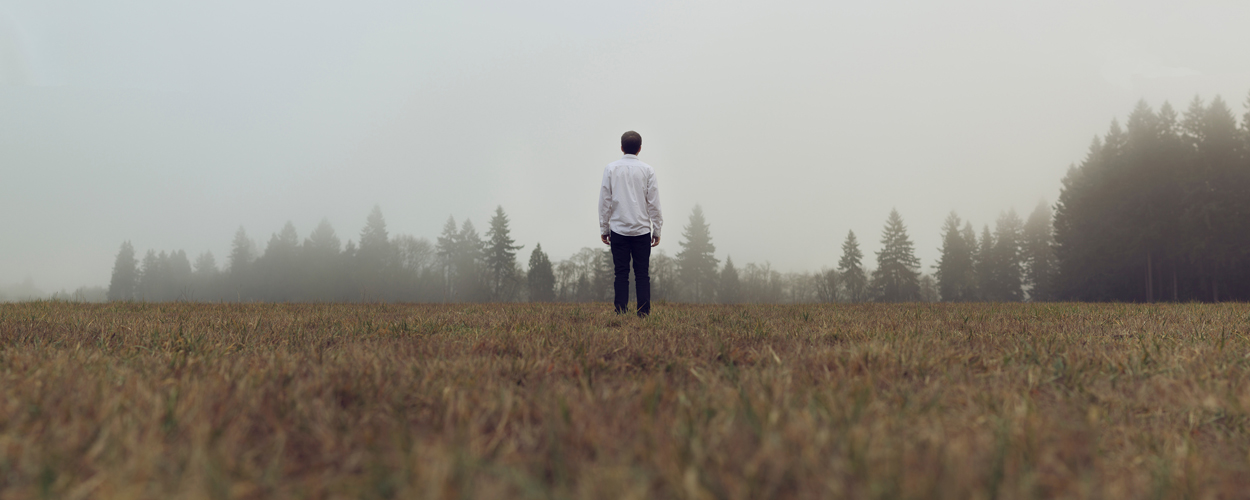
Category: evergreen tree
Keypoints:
(205, 277)
(729, 283)
(325, 269)
(178, 280)
(285, 242)
(985, 265)
(323, 242)
(970, 242)
(150, 277)
(897, 276)
(242, 254)
(955, 274)
(374, 239)
(851, 267)
(468, 265)
(1039, 255)
(206, 264)
(123, 284)
(1005, 276)
(448, 251)
(696, 261)
(278, 268)
(1218, 225)
(376, 258)
(540, 279)
(1156, 212)
(500, 258)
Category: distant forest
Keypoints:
(1158, 211)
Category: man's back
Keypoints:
(629, 199)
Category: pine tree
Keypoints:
(374, 239)
(1219, 226)
(178, 275)
(206, 264)
(897, 276)
(150, 277)
(468, 265)
(985, 265)
(325, 272)
(376, 258)
(730, 286)
(851, 267)
(242, 253)
(124, 282)
(1006, 271)
(448, 250)
(286, 241)
(500, 258)
(278, 268)
(205, 277)
(954, 268)
(1039, 255)
(323, 242)
(696, 261)
(1157, 211)
(970, 242)
(540, 279)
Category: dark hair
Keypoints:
(631, 142)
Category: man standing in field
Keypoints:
(629, 221)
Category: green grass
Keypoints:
(570, 401)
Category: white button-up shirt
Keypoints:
(629, 199)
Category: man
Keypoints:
(630, 221)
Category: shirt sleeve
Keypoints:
(605, 202)
(653, 204)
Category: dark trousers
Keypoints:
(637, 248)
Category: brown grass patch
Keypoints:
(541, 401)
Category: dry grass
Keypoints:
(569, 401)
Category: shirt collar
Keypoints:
(632, 157)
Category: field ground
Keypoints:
(570, 401)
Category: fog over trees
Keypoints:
(1159, 210)
(461, 266)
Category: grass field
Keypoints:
(570, 401)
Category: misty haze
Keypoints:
(656, 249)
(790, 125)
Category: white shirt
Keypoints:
(629, 199)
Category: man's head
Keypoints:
(631, 143)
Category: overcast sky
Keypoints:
(171, 124)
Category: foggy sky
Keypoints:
(171, 124)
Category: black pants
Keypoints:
(637, 248)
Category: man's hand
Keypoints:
(655, 241)
(604, 239)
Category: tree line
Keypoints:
(462, 265)
(1159, 210)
